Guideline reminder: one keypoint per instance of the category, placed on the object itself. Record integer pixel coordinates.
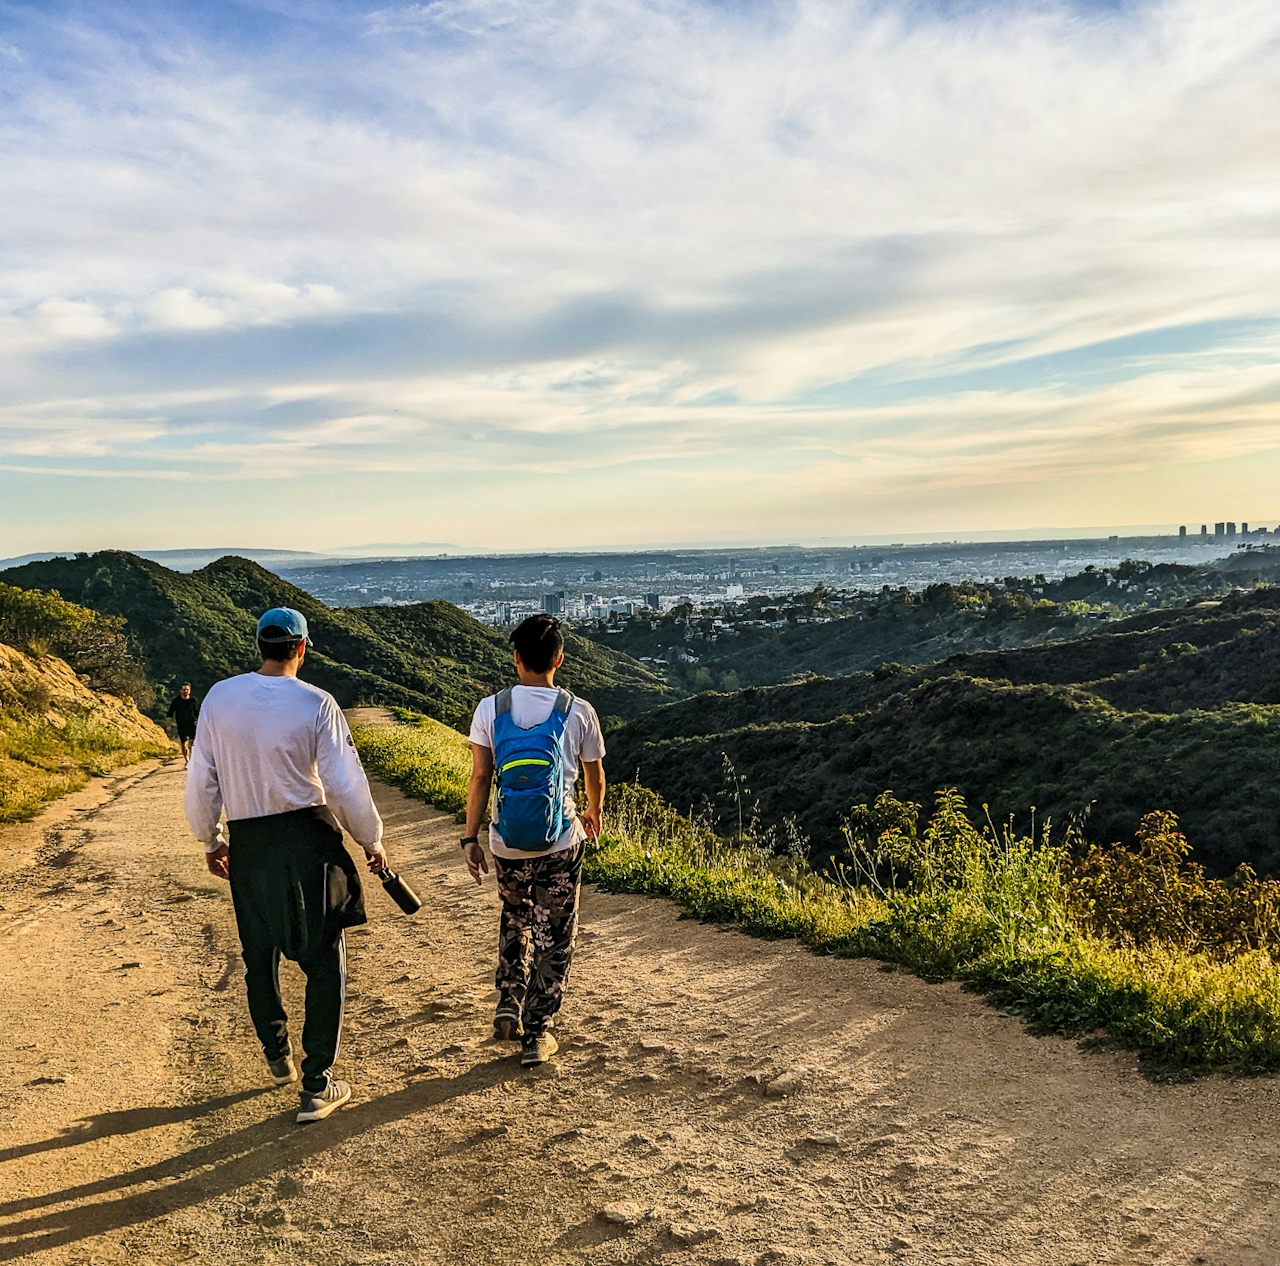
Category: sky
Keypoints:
(530, 274)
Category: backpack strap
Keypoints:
(502, 705)
(564, 702)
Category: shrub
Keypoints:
(41, 622)
(1154, 895)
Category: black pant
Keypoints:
(295, 889)
(322, 1024)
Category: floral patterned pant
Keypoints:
(537, 932)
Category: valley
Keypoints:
(1094, 697)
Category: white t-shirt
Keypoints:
(583, 740)
(267, 745)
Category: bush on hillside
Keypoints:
(994, 910)
(40, 622)
(1155, 895)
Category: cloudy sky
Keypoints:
(567, 273)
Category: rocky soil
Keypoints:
(718, 1099)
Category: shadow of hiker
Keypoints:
(223, 1165)
(129, 1121)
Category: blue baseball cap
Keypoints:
(294, 624)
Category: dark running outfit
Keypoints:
(185, 714)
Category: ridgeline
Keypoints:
(430, 656)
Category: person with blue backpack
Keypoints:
(528, 743)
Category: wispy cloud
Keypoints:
(759, 264)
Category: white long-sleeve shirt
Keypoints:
(267, 745)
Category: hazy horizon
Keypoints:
(524, 274)
(426, 549)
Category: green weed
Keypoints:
(423, 757)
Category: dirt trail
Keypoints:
(922, 1127)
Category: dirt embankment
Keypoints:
(48, 688)
(723, 1099)
(55, 733)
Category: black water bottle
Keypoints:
(399, 891)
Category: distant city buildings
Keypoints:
(610, 588)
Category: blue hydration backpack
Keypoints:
(529, 811)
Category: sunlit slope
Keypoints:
(55, 732)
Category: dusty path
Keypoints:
(926, 1129)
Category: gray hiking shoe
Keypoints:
(318, 1106)
(538, 1048)
(282, 1070)
(506, 1023)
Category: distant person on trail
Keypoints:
(277, 754)
(535, 737)
(185, 711)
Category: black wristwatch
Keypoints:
(468, 839)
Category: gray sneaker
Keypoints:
(538, 1048)
(318, 1106)
(282, 1070)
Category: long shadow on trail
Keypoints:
(237, 1159)
(108, 1124)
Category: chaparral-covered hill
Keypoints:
(1173, 708)
(429, 656)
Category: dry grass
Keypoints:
(40, 761)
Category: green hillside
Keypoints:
(430, 657)
(1170, 709)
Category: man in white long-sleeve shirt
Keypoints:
(277, 755)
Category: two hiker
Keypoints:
(277, 755)
(185, 711)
